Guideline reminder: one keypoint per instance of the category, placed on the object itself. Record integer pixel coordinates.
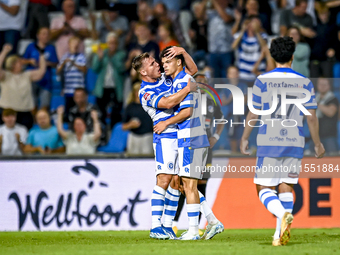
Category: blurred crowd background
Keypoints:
(66, 80)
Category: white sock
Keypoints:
(193, 215)
(287, 201)
(206, 210)
(170, 206)
(157, 206)
(272, 202)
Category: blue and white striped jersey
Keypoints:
(191, 132)
(274, 139)
(149, 96)
(73, 77)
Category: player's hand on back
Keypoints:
(244, 146)
(192, 85)
(319, 151)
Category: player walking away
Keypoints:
(193, 146)
(155, 86)
(281, 146)
(212, 111)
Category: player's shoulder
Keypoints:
(283, 73)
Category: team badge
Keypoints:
(168, 82)
(159, 167)
(147, 96)
(283, 132)
(210, 108)
(186, 170)
(170, 165)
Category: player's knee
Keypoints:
(163, 180)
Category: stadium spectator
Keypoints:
(44, 139)
(220, 39)
(67, 26)
(139, 123)
(143, 44)
(322, 55)
(302, 52)
(161, 15)
(79, 141)
(109, 64)
(42, 88)
(249, 43)
(12, 21)
(16, 85)
(235, 131)
(251, 9)
(173, 5)
(12, 135)
(198, 34)
(37, 16)
(298, 17)
(111, 21)
(166, 36)
(72, 68)
(327, 113)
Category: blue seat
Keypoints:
(118, 140)
(56, 101)
(91, 79)
(336, 74)
(92, 99)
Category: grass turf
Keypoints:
(303, 241)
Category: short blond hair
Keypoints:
(10, 62)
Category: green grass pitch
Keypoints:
(303, 241)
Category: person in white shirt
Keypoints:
(12, 135)
(78, 141)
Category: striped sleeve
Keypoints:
(256, 97)
(311, 104)
(187, 102)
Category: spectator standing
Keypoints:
(322, 55)
(166, 36)
(220, 39)
(302, 52)
(12, 20)
(249, 43)
(297, 16)
(72, 68)
(139, 123)
(16, 85)
(327, 114)
(12, 135)
(111, 21)
(44, 139)
(66, 26)
(37, 16)
(198, 34)
(79, 141)
(42, 88)
(109, 64)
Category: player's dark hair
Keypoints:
(282, 49)
(165, 52)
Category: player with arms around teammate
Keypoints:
(280, 146)
(193, 146)
(155, 86)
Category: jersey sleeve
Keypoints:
(311, 104)
(187, 102)
(256, 97)
(149, 98)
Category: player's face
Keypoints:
(151, 68)
(170, 65)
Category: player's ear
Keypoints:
(179, 62)
(143, 72)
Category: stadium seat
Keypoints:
(117, 142)
(56, 101)
(336, 74)
(91, 79)
(22, 45)
(92, 99)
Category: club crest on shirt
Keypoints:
(168, 82)
(283, 132)
(170, 165)
(147, 96)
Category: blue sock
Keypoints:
(272, 202)
(157, 206)
(170, 206)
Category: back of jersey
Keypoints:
(149, 96)
(281, 135)
(191, 132)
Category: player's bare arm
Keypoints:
(246, 133)
(181, 116)
(191, 67)
(313, 125)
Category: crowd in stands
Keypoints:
(67, 84)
